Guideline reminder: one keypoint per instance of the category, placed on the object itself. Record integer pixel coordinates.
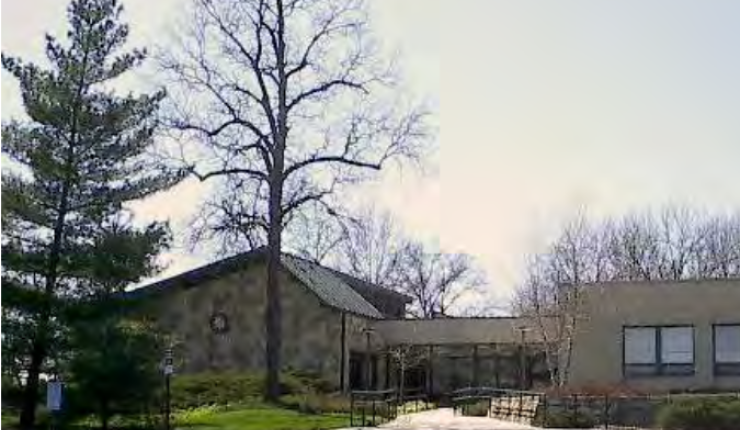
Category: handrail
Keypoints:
(373, 407)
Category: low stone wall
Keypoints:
(520, 409)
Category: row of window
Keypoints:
(669, 350)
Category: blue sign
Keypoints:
(54, 395)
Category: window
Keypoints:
(640, 350)
(650, 351)
(727, 349)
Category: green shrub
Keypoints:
(476, 409)
(190, 391)
(313, 403)
(193, 390)
(704, 413)
(12, 394)
(201, 415)
(301, 381)
(566, 420)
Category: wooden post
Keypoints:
(475, 365)
(387, 370)
(430, 370)
(343, 354)
(496, 365)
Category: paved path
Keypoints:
(445, 419)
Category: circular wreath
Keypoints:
(219, 323)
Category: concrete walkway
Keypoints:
(445, 419)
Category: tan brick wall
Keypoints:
(597, 354)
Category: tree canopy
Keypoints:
(70, 166)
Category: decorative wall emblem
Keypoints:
(219, 323)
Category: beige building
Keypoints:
(655, 336)
(660, 335)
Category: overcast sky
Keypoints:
(543, 107)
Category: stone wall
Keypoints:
(311, 330)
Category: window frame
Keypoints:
(659, 368)
(723, 368)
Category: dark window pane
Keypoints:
(639, 345)
(727, 369)
(727, 344)
(678, 369)
(640, 369)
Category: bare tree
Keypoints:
(405, 357)
(552, 294)
(281, 103)
(717, 254)
(675, 244)
(316, 235)
(372, 248)
(436, 280)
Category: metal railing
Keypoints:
(371, 408)
(510, 405)
(633, 412)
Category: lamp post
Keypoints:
(168, 370)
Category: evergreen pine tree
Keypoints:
(81, 154)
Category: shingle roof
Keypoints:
(332, 289)
(329, 287)
(360, 286)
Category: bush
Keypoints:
(12, 394)
(567, 420)
(476, 409)
(195, 416)
(313, 403)
(190, 391)
(611, 390)
(201, 389)
(297, 381)
(705, 413)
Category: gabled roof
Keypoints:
(330, 288)
(363, 286)
(333, 288)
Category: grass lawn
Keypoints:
(9, 421)
(269, 418)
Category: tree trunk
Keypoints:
(40, 341)
(31, 390)
(40, 344)
(568, 358)
(104, 415)
(273, 314)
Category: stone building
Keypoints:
(334, 325)
(216, 315)
(679, 335)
